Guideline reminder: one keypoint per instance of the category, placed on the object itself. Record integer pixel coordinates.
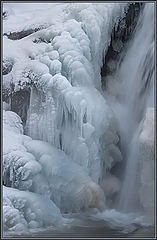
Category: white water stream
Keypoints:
(135, 93)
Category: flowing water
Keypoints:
(135, 93)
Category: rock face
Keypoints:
(22, 34)
(147, 157)
(120, 36)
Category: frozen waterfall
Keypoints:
(74, 150)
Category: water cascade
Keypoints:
(134, 93)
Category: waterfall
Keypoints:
(135, 86)
(82, 152)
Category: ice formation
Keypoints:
(24, 210)
(61, 65)
(63, 162)
(71, 188)
(61, 70)
(38, 167)
(20, 168)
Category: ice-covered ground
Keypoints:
(71, 140)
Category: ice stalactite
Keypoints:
(38, 167)
(69, 110)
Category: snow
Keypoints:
(73, 37)
(24, 16)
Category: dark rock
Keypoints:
(121, 33)
(40, 40)
(22, 34)
(5, 15)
